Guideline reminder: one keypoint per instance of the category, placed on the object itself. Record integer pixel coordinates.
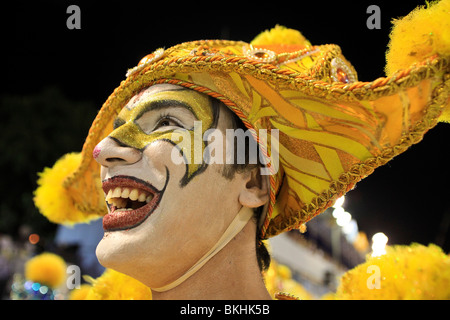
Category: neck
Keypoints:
(232, 274)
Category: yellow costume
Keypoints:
(413, 272)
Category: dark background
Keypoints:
(54, 80)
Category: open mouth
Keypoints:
(130, 201)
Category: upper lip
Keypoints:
(119, 189)
(127, 182)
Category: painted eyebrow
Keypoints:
(155, 105)
(118, 122)
(163, 104)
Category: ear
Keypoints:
(255, 192)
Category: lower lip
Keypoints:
(123, 220)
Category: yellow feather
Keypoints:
(80, 293)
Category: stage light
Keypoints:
(337, 212)
(343, 218)
(33, 238)
(339, 202)
(379, 241)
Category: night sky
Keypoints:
(406, 199)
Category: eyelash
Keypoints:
(166, 117)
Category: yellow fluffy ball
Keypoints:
(422, 33)
(280, 35)
(113, 285)
(51, 198)
(413, 272)
(47, 268)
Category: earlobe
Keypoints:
(255, 191)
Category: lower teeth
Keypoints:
(123, 209)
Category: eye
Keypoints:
(167, 122)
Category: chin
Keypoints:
(117, 252)
(112, 251)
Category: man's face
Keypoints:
(163, 216)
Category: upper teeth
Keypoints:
(119, 196)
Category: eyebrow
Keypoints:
(118, 122)
(163, 104)
(155, 105)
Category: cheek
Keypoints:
(206, 204)
(102, 173)
(186, 151)
(159, 155)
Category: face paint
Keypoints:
(157, 238)
(166, 116)
(96, 152)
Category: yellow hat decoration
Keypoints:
(333, 129)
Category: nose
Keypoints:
(110, 153)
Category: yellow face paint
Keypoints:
(137, 123)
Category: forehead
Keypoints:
(169, 92)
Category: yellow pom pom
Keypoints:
(280, 35)
(422, 33)
(80, 293)
(47, 268)
(404, 272)
(278, 278)
(113, 285)
(52, 199)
